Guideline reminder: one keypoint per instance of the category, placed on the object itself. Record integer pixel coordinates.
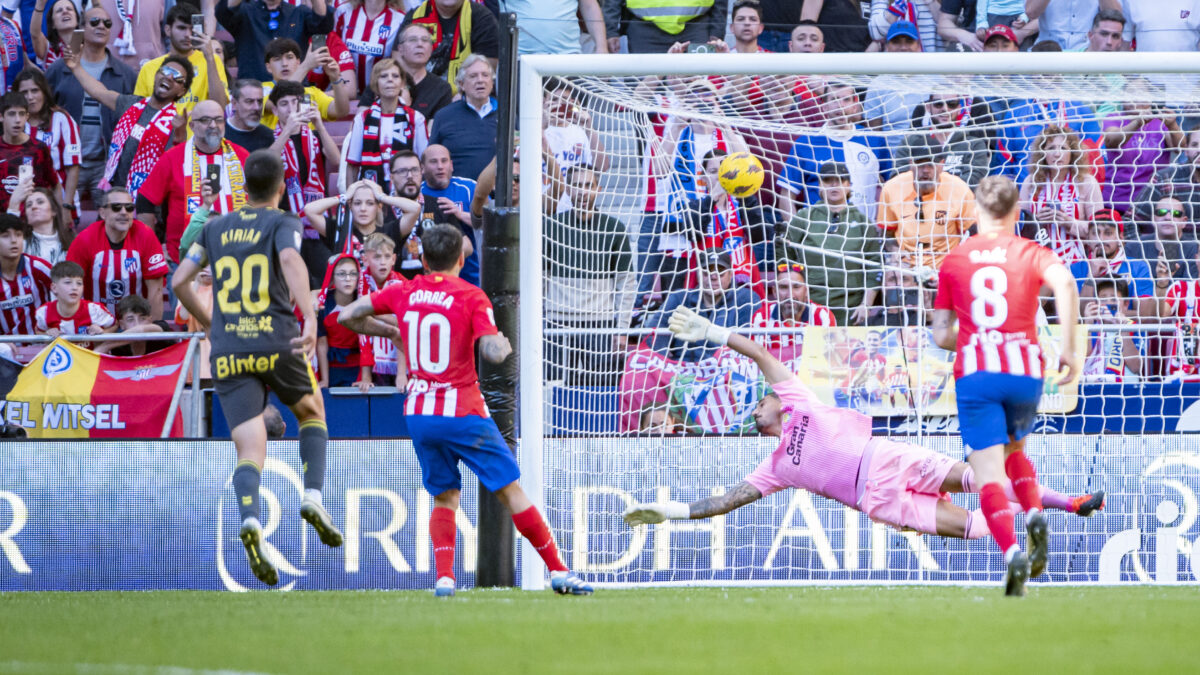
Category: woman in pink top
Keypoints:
(1060, 194)
(830, 452)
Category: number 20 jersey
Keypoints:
(440, 318)
(991, 281)
(252, 306)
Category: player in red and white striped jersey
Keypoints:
(441, 317)
(24, 279)
(369, 29)
(791, 309)
(120, 256)
(991, 282)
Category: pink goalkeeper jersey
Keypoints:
(820, 450)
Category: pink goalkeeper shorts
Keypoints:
(903, 485)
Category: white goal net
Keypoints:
(869, 163)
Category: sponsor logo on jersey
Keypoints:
(13, 303)
(368, 48)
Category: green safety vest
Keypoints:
(669, 15)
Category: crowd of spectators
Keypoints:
(123, 126)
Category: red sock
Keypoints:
(533, 527)
(442, 532)
(998, 514)
(1024, 481)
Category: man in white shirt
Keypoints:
(1067, 22)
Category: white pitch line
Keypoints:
(35, 668)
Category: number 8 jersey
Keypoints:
(252, 306)
(440, 318)
(991, 282)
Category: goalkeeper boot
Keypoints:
(566, 583)
(1086, 505)
(444, 588)
(319, 518)
(1039, 539)
(1018, 574)
(252, 538)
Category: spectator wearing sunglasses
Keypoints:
(1168, 245)
(208, 81)
(96, 122)
(146, 126)
(944, 122)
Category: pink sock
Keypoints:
(977, 526)
(1051, 499)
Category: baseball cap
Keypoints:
(921, 150)
(715, 257)
(1002, 31)
(833, 170)
(1112, 216)
(905, 28)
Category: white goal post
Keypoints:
(802, 539)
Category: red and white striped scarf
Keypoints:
(151, 142)
(374, 157)
(313, 186)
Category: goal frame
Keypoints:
(534, 69)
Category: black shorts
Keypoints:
(241, 381)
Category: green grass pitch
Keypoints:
(652, 630)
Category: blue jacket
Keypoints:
(471, 139)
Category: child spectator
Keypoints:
(24, 279)
(70, 313)
(1112, 356)
(379, 258)
(133, 316)
(345, 357)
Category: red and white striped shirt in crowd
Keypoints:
(368, 39)
(1064, 197)
(110, 273)
(991, 282)
(21, 296)
(440, 317)
(1183, 305)
(62, 137)
(88, 314)
(767, 316)
(384, 348)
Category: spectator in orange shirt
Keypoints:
(927, 210)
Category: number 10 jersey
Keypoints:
(252, 306)
(991, 281)
(440, 318)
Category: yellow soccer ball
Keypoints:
(741, 174)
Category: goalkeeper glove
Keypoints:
(650, 514)
(690, 327)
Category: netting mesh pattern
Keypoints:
(1146, 533)
(844, 231)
